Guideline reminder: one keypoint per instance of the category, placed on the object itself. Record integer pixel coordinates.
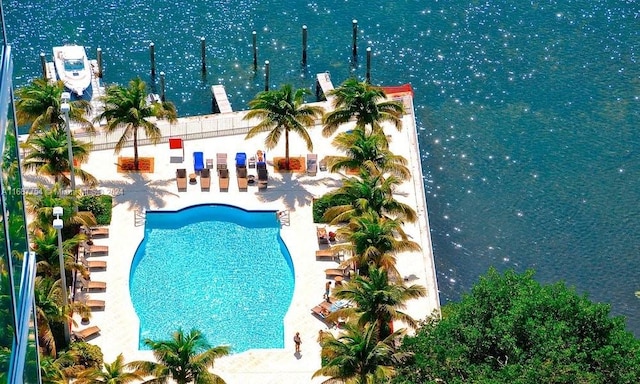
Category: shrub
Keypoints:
(325, 202)
(99, 205)
(85, 355)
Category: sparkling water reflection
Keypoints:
(528, 111)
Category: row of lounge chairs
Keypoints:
(85, 253)
(223, 173)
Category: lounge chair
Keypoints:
(334, 272)
(322, 310)
(223, 180)
(241, 159)
(263, 178)
(90, 285)
(181, 179)
(84, 334)
(327, 253)
(176, 148)
(322, 235)
(243, 181)
(221, 161)
(90, 250)
(198, 161)
(252, 162)
(312, 164)
(205, 179)
(209, 163)
(99, 231)
(95, 304)
(95, 264)
(325, 308)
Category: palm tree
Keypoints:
(367, 151)
(52, 369)
(40, 207)
(115, 373)
(39, 103)
(128, 108)
(186, 358)
(374, 242)
(357, 356)
(377, 300)
(48, 154)
(365, 103)
(282, 110)
(45, 245)
(369, 192)
(49, 310)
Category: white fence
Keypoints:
(188, 128)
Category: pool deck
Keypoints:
(293, 192)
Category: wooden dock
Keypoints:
(323, 80)
(50, 69)
(220, 101)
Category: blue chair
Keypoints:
(198, 161)
(241, 159)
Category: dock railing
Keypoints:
(187, 128)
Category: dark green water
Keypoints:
(528, 111)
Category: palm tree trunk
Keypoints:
(135, 149)
(286, 150)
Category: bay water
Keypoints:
(528, 112)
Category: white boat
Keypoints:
(72, 67)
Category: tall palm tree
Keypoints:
(365, 103)
(45, 244)
(49, 310)
(115, 373)
(369, 192)
(282, 110)
(128, 108)
(357, 356)
(186, 358)
(40, 207)
(367, 151)
(377, 300)
(374, 241)
(48, 154)
(38, 104)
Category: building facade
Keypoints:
(18, 337)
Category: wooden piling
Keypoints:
(203, 49)
(304, 45)
(43, 63)
(152, 51)
(354, 40)
(162, 94)
(99, 57)
(369, 65)
(255, 50)
(266, 75)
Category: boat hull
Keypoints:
(73, 68)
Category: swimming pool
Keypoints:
(217, 268)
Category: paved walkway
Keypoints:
(293, 192)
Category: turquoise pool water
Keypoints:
(216, 268)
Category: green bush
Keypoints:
(85, 355)
(99, 205)
(325, 202)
